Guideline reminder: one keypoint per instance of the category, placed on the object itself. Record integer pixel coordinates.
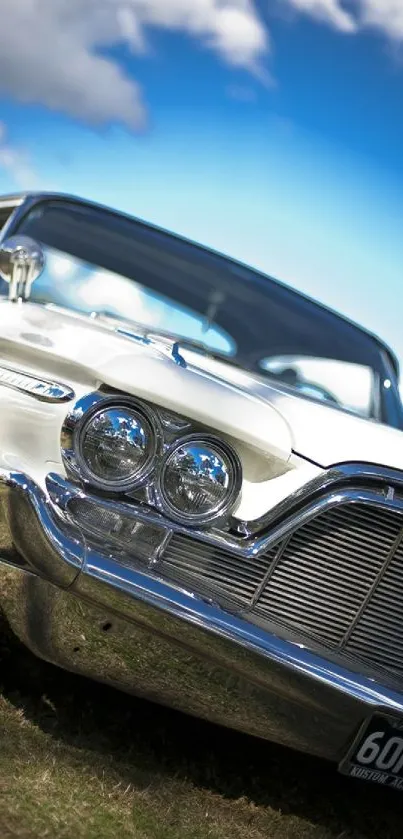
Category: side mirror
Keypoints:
(21, 263)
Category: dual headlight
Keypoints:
(119, 445)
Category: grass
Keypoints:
(80, 760)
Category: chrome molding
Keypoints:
(41, 389)
(61, 491)
(344, 475)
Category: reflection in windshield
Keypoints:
(77, 285)
(339, 382)
(74, 284)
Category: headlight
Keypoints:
(199, 480)
(115, 447)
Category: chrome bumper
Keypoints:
(77, 605)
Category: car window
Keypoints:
(341, 383)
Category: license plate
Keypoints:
(377, 753)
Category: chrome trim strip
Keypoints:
(337, 476)
(42, 389)
(61, 491)
(11, 203)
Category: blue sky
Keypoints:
(271, 131)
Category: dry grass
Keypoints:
(81, 760)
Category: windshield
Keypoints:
(98, 262)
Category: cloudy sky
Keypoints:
(269, 129)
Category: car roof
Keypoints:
(17, 199)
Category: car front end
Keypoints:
(193, 532)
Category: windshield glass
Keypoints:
(100, 262)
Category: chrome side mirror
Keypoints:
(21, 263)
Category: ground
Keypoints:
(82, 760)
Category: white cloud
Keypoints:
(329, 11)
(383, 15)
(55, 52)
(51, 50)
(16, 163)
(386, 15)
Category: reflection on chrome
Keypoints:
(110, 442)
(41, 389)
(21, 263)
(117, 444)
(116, 447)
(200, 480)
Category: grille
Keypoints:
(338, 580)
(214, 568)
(378, 632)
(327, 570)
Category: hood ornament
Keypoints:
(21, 263)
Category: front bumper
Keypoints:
(81, 605)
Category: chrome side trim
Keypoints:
(12, 201)
(41, 389)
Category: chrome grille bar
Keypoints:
(328, 569)
(336, 579)
(185, 559)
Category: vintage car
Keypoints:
(201, 484)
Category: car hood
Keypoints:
(321, 433)
(215, 392)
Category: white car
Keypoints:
(201, 483)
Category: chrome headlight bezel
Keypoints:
(169, 433)
(223, 509)
(73, 434)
